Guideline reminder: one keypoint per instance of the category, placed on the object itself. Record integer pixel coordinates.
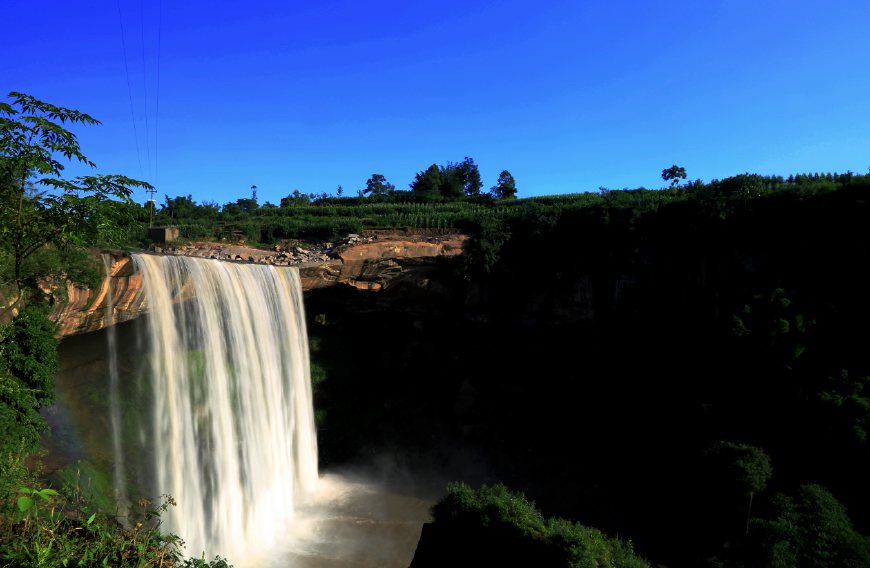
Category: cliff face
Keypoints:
(86, 310)
(371, 265)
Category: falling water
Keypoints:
(232, 425)
(114, 397)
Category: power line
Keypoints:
(157, 112)
(145, 83)
(129, 88)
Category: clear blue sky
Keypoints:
(567, 95)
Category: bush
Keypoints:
(496, 526)
(28, 363)
(812, 530)
(42, 527)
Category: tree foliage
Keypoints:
(184, 207)
(428, 183)
(469, 174)
(295, 198)
(847, 400)
(749, 467)
(505, 187)
(742, 186)
(39, 206)
(46, 221)
(450, 182)
(812, 530)
(493, 526)
(28, 364)
(377, 184)
(674, 174)
(773, 323)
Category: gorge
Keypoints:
(596, 378)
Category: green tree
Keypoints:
(28, 364)
(247, 205)
(811, 530)
(295, 198)
(469, 174)
(450, 182)
(774, 328)
(428, 182)
(41, 211)
(674, 174)
(494, 526)
(505, 187)
(39, 206)
(747, 468)
(378, 185)
(847, 400)
(181, 207)
(742, 186)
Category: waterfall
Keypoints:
(231, 418)
(118, 480)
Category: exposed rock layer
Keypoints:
(368, 264)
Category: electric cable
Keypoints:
(129, 88)
(157, 111)
(145, 85)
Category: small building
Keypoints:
(163, 235)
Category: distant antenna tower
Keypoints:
(151, 202)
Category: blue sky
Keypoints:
(568, 96)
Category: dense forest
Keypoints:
(684, 368)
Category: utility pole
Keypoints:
(151, 193)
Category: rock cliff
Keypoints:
(369, 264)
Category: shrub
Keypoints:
(498, 526)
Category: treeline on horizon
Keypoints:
(324, 216)
(449, 197)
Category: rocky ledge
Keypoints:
(365, 263)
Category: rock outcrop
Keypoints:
(363, 263)
(85, 310)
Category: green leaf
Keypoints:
(24, 504)
(46, 493)
(91, 519)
